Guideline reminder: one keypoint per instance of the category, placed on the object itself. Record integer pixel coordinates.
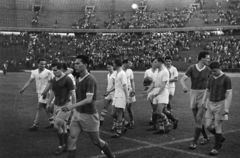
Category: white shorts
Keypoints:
(41, 100)
(149, 94)
(59, 114)
(171, 90)
(162, 98)
(110, 96)
(131, 99)
(119, 102)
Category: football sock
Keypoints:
(61, 139)
(51, 120)
(119, 126)
(218, 137)
(161, 126)
(169, 107)
(165, 120)
(204, 132)
(107, 151)
(154, 119)
(71, 153)
(103, 115)
(169, 115)
(66, 139)
(197, 134)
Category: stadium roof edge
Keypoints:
(208, 28)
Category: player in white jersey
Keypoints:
(171, 88)
(148, 78)
(127, 64)
(41, 76)
(109, 94)
(120, 97)
(159, 96)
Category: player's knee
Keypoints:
(199, 121)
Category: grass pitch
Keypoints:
(17, 113)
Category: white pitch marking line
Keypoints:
(150, 145)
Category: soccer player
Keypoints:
(219, 96)
(147, 80)
(160, 96)
(127, 64)
(41, 76)
(198, 73)
(62, 89)
(109, 94)
(85, 116)
(120, 97)
(171, 88)
(4, 69)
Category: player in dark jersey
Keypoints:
(62, 89)
(198, 73)
(85, 116)
(219, 96)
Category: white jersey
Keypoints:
(130, 77)
(160, 78)
(173, 73)
(41, 79)
(111, 80)
(150, 73)
(120, 81)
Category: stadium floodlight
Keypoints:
(134, 6)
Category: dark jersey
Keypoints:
(218, 87)
(61, 89)
(198, 77)
(87, 85)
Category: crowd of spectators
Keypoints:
(140, 48)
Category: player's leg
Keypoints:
(60, 126)
(36, 121)
(171, 117)
(218, 137)
(107, 103)
(169, 105)
(113, 114)
(119, 114)
(102, 145)
(154, 117)
(75, 130)
(50, 117)
(163, 119)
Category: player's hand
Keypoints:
(151, 97)
(66, 108)
(226, 111)
(48, 107)
(44, 95)
(185, 89)
(132, 94)
(106, 94)
(21, 91)
(144, 93)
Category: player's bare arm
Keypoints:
(48, 87)
(73, 94)
(88, 100)
(228, 101)
(175, 79)
(26, 85)
(52, 95)
(182, 81)
(133, 88)
(125, 89)
(205, 97)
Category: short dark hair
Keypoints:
(125, 61)
(215, 65)
(55, 60)
(85, 59)
(58, 65)
(110, 63)
(41, 59)
(64, 66)
(202, 55)
(118, 62)
(160, 59)
(168, 58)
